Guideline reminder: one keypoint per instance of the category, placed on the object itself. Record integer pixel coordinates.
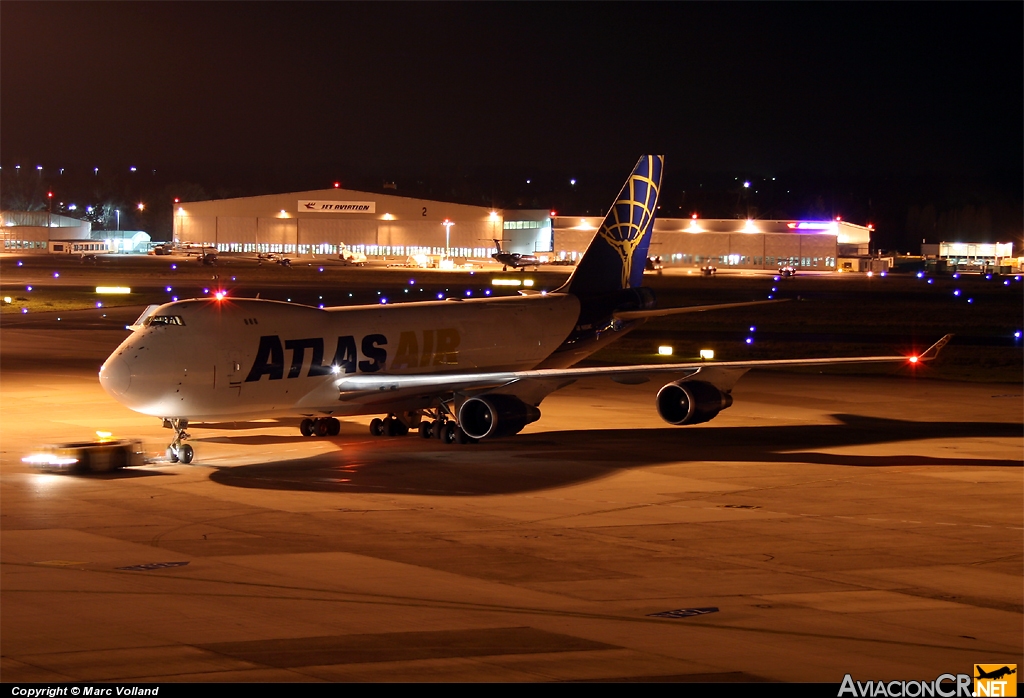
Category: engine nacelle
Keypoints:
(491, 416)
(691, 402)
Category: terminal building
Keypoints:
(971, 256)
(737, 243)
(27, 232)
(319, 222)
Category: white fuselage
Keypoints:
(207, 360)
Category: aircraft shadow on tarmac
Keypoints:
(120, 474)
(254, 439)
(531, 462)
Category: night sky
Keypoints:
(399, 89)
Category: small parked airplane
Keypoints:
(458, 370)
(514, 259)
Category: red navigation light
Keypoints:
(220, 295)
(694, 216)
(913, 359)
(176, 200)
(337, 185)
(49, 195)
(554, 213)
(839, 218)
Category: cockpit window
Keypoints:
(163, 320)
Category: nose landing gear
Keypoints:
(178, 450)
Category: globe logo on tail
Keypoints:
(633, 213)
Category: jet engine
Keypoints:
(491, 416)
(691, 402)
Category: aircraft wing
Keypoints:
(370, 388)
(662, 312)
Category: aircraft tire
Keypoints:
(321, 427)
(426, 429)
(333, 426)
(185, 454)
(437, 429)
(462, 437)
(448, 435)
(377, 426)
(172, 454)
(306, 427)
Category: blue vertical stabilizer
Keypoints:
(615, 259)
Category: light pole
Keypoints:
(447, 237)
(118, 212)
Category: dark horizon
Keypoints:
(870, 109)
(376, 88)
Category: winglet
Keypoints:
(934, 349)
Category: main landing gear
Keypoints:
(389, 426)
(321, 426)
(178, 450)
(437, 426)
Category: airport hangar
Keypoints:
(381, 226)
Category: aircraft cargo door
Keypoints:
(228, 372)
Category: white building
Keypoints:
(316, 222)
(32, 231)
(730, 242)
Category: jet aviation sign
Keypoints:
(337, 206)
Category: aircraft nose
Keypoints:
(116, 376)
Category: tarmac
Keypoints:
(821, 526)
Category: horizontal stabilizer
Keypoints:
(662, 312)
(934, 349)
